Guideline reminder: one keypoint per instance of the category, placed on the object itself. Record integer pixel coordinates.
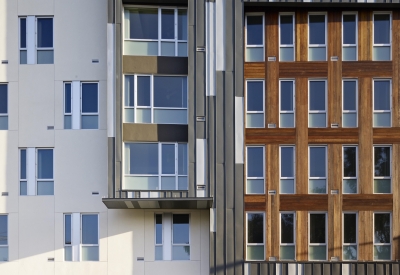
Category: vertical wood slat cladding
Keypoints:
(301, 235)
(301, 36)
(301, 136)
(396, 202)
(365, 35)
(396, 68)
(272, 69)
(365, 236)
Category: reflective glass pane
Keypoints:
(90, 122)
(44, 33)
(143, 115)
(3, 99)
(182, 25)
(286, 29)
(317, 54)
(382, 161)
(159, 253)
(286, 120)
(22, 38)
(255, 162)
(182, 49)
(170, 91)
(381, 53)
(255, 96)
(349, 29)
(254, 120)
(317, 253)
(23, 189)
(255, 252)
(45, 57)
(168, 159)
(89, 97)
(349, 252)
(68, 253)
(349, 95)
(67, 122)
(317, 186)
(254, 54)
(182, 159)
(349, 186)
(381, 95)
(167, 24)
(168, 48)
(143, 90)
(382, 186)
(316, 29)
(286, 54)
(349, 228)
(23, 57)
(182, 183)
(317, 120)
(45, 188)
(129, 115)
(349, 54)
(181, 253)
(254, 30)
(287, 228)
(180, 229)
(140, 48)
(90, 229)
(349, 120)
(4, 254)
(143, 23)
(382, 119)
(45, 163)
(90, 253)
(287, 252)
(168, 183)
(286, 187)
(23, 164)
(141, 183)
(141, 158)
(170, 116)
(317, 228)
(317, 96)
(158, 229)
(67, 229)
(317, 162)
(287, 162)
(3, 229)
(382, 228)
(350, 161)
(255, 187)
(129, 99)
(287, 96)
(67, 98)
(382, 252)
(382, 29)
(255, 228)
(3, 122)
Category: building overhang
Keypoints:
(158, 203)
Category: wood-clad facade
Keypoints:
(364, 136)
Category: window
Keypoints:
(156, 99)
(3, 106)
(382, 169)
(382, 103)
(382, 36)
(317, 104)
(180, 245)
(317, 250)
(287, 167)
(286, 37)
(255, 170)
(155, 31)
(350, 229)
(350, 103)
(317, 37)
(350, 168)
(287, 103)
(81, 237)
(382, 236)
(3, 238)
(36, 40)
(255, 104)
(156, 166)
(349, 36)
(254, 37)
(317, 169)
(81, 105)
(255, 237)
(36, 172)
(288, 241)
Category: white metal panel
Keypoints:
(31, 39)
(220, 34)
(76, 104)
(30, 171)
(278, 269)
(167, 236)
(210, 49)
(346, 269)
(292, 269)
(75, 235)
(239, 130)
(201, 156)
(300, 268)
(212, 220)
(110, 80)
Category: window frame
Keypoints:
(342, 35)
(36, 34)
(263, 101)
(64, 235)
(7, 106)
(343, 230)
(294, 234)
(357, 168)
(8, 244)
(294, 168)
(326, 101)
(81, 114)
(350, 111)
(247, 233)
(81, 245)
(65, 113)
(391, 167)
(293, 32)
(390, 33)
(294, 101)
(382, 244)
(172, 236)
(390, 100)
(37, 167)
(326, 235)
(326, 36)
(162, 234)
(263, 35)
(264, 169)
(326, 168)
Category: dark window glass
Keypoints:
(143, 96)
(286, 30)
(23, 164)
(287, 96)
(144, 23)
(381, 95)
(3, 99)
(317, 96)
(143, 158)
(317, 228)
(3, 230)
(170, 91)
(180, 229)
(349, 29)
(349, 95)
(255, 92)
(255, 162)
(349, 161)
(45, 32)
(45, 163)
(167, 24)
(382, 161)
(349, 228)
(89, 98)
(255, 228)
(382, 228)
(90, 234)
(22, 38)
(317, 29)
(254, 30)
(168, 159)
(287, 228)
(67, 98)
(182, 24)
(158, 229)
(382, 28)
(317, 162)
(287, 162)
(129, 90)
(67, 229)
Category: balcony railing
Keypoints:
(141, 194)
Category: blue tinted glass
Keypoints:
(180, 229)
(45, 32)
(255, 162)
(143, 158)
(349, 95)
(22, 38)
(287, 162)
(286, 28)
(45, 164)
(382, 29)
(158, 229)
(317, 29)
(255, 96)
(254, 30)
(167, 24)
(182, 159)
(143, 88)
(3, 230)
(381, 95)
(144, 23)
(129, 90)
(317, 162)
(182, 24)
(317, 96)
(349, 29)
(168, 159)
(67, 99)
(286, 96)
(3, 99)
(89, 98)
(90, 234)
(23, 164)
(382, 161)
(67, 229)
(170, 91)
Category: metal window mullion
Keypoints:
(159, 31)
(159, 164)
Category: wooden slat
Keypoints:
(254, 70)
(303, 202)
(365, 35)
(368, 202)
(333, 135)
(270, 136)
(365, 236)
(303, 69)
(254, 206)
(367, 69)
(254, 198)
(301, 236)
(396, 68)
(386, 135)
(301, 136)
(301, 36)
(396, 201)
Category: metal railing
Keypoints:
(140, 194)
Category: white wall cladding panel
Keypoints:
(201, 165)
(35, 7)
(239, 130)
(31, 171)
(110, 80)
(31, 39)
(220, 34)
(76, 104)
(210, 49)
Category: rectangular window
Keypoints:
(180, 237)
(382, 169)
(159, 238)
(382, 50)
(255, 237)
(254, 38)
(350, 242)
(3, 106)
(382, 102)
(349, 36)
(36, 40)
(382, 236)
(81, 105)
(350, 103)
(317, 104)
(156, 166)
(255, 166)
(286, 103)
(317, 37)
(156, 99)
(255, 104)
(286, 36)
(81, 237)
(3, 238)
(155, 31)
(317, 180)
(288, 241)
(317, 249)
(287, 170)
(350, 169)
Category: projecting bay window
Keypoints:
(287, 170)
(255, 104)
(382, 44)
(3, 106)
(255, 167)
(286, 103)
(382, 169)
(350, 103)
(382, 103)
(155, 31)
(317, 37)
(317, 180)
(382, 236)
(286, 36)
(155, 99)
(350, 242)
(350, 169)
(317, 249)
(254, 37)
(287, 240)
(255, 241)
(317, 105)
(156, 166)
(349, 36)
